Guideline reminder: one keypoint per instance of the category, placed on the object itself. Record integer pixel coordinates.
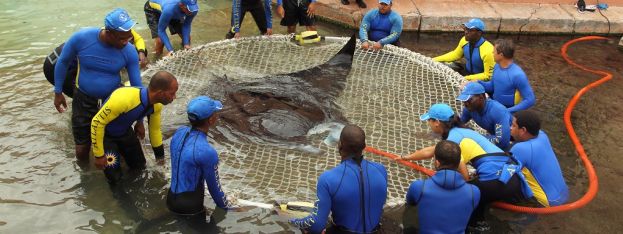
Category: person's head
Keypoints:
(189, 7)
(352, 142)
(441, 118)
(474, 28)
(526, 125)
(385, 6)
(202, 112)
(447, 155)
(473, 96)
(162, 88)
(118, 25)
(503, 50)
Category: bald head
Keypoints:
(161, 81)
(352, 140)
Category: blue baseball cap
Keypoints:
(472, 88)
(439, 111)
(119, 20)
(475, 23)
(191, 5)
(386, 1)
(202, 107)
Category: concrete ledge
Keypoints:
(448, 16)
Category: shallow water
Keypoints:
(43, 190)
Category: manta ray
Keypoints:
(284, 107)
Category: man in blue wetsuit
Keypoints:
(177, 15)
(509, 83)
(533, 149)
(194, 160)
(354, 191)
(487, 113)
(261, 12)
(112, 135)
(445, 201)
(477, 51)
(380, 27)
(101, 54)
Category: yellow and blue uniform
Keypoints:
(170, 10)
(124, 107)
(473, 145)
(382, 28)
(510, 87)
(542, 170)
(494, 118)
(445, 202)
(479, 58)
(353, 193)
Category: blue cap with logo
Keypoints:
(191, 5)
(202, 107)
(472, 88)
(475, 23)
(386, 1)
(119, 20)
(439, 111)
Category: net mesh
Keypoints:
(385, 94)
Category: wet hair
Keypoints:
(448, 154)
(454, 121)
(530, 120)
(505, 47)
(161, 81)
(353, 141)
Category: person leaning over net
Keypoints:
(112, 135)
(194, 160)
(177, 15)
(477, 51)
(445, 202)
(297, 11)
(487, 113)
(261, 12)
(509, 83)
(380, 27)
(101, 54)
(533, 149)
(496, 178)
(354, 191)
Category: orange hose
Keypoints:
(592, 176)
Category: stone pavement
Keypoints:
(500, 16)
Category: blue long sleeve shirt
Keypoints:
(382, 28)
(99, 64)
(339, 192)
(236, 13)
(510, 87)
(170, 10)
(494, 118)
(193, 160)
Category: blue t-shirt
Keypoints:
(494, 118)
(193, 160)
(510, 87)
(170, 10)
(542, 170)
(339, 192)
(445, 202)
(99, 64)
(382, 28)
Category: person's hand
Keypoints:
(237, 35)
(139, 130)
(280, 11)
(168, 54)
(142, 59)
(311, 9)
(377, 46)
(269, 32)
(59, 102)
(187, 47)
(365, 45)
(100, 162)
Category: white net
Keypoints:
(385, 94)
